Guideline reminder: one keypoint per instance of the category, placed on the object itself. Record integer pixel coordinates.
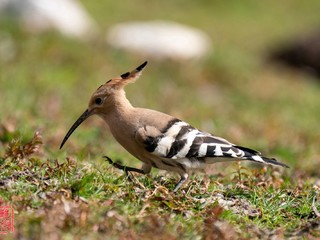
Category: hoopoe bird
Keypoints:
(157, 139)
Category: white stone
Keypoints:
(66, 16)
(160, 40)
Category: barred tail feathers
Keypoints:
(273, 161)
(255, 156)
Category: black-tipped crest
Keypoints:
(125, 75)
(134, 74)
(142, 66)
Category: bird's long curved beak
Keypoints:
(83, 117)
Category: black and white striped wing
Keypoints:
(180, 140)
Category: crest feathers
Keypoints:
(126, 78)
(130, 77)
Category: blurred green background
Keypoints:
(46, 81)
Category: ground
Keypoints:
(46, 81)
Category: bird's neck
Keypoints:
(122, 106)
(121, 118)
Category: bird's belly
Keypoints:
(192, 163)
(176, 165)
(189, 163)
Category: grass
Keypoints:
(233, 92)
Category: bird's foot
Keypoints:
(124, 168)
(182, 180)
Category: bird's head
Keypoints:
(103, 98)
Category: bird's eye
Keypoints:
(98, 101)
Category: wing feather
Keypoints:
(182, 141)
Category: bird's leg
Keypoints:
(124, 168)
(183, 178)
